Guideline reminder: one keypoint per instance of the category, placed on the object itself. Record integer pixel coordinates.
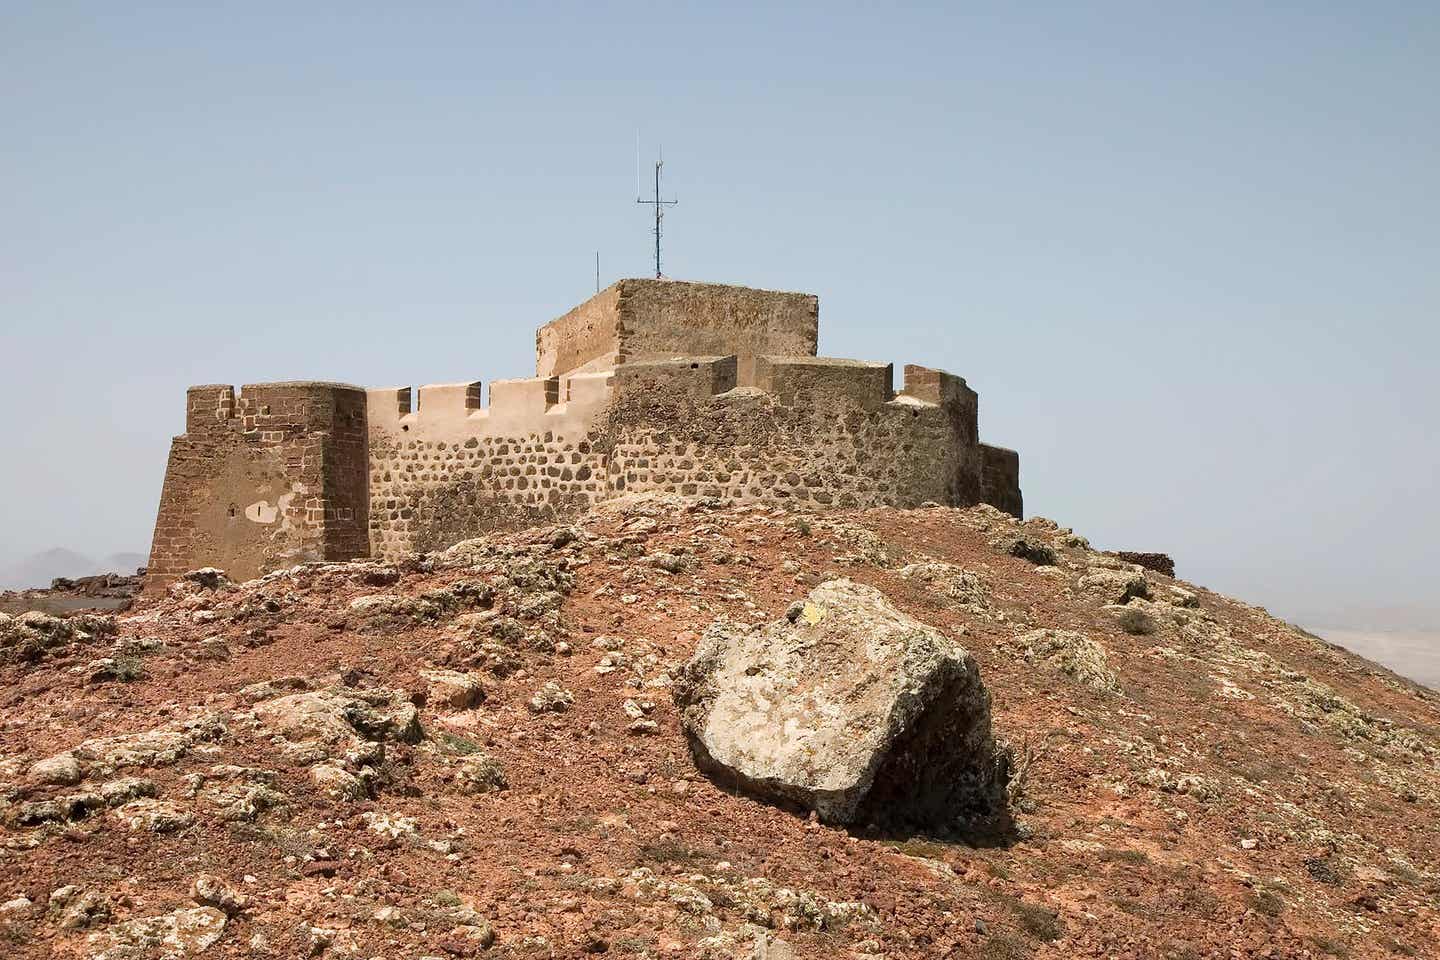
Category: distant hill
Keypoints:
(124, 562)
(38, 569)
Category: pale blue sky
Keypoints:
(1189, 256)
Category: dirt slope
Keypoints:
(475, 754)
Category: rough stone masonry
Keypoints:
(651, 385)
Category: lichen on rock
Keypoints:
(847, 707)
(1073, 654)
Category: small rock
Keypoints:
(62, 770)
(1040, 554)
(208, 578)
(772, 948)
(452, 690)
(469, 939)
(76, 806)
(610, 663)
(957, 583)
(670, 562)
(153, 816)
(391, 825)
(479, 773)
(1074, 654)
(1116, 586)
(74, 909)
(1181, 597)
(320, 940)
(209, 890)
(118, 791)
(338, 783)
(34, 812)
(551, 698)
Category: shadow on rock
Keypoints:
(853, 710)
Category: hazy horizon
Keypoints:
(1187, 258)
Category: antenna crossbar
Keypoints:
(660, 206)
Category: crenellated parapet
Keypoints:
(813, 431)
(694, 389)
(514, 407)
(451, 465)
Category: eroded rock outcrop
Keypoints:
(847, 707)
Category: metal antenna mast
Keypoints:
(660, 206)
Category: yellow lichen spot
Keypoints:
(812, 613)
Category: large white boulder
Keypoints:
(847, 707)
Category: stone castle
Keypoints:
(651, 385)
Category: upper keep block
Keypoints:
(634, 320)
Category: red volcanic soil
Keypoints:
(475, 753)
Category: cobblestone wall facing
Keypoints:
(452, 468)
(833, 435)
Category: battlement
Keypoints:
(937, 386)
(518, 406)
(283, 408)
(822, 382)
(650, 385)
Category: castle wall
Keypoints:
(832, 435)
(823, 433)
(656, 319)
(651, 386)
(268, 478)
(1000, 479)
(586, 338)
(451, 469)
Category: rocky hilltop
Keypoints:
(689, 729)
